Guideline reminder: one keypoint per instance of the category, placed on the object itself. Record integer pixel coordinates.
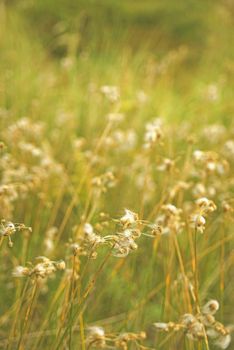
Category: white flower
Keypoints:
(198, 155)
(7, 229)
(60, 265)
(223, 341)
(171, 209)
(111, 93)
(90, 236)
(161, 326)
(198, 221)
(20, 271)
(153, 134)
(206, 205)
(211, 307)
(95, 330)
(88, 229)
(188, 319)
(96, 337)
(129, 218)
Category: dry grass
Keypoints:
(116, 197)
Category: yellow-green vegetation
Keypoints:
(116, 174)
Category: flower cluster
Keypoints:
(153, 134)
(129, 229)
(44, 268)
(8, 228)
(204, 207)
(201, 326)
(210, 162)
(26, 164)
(121, 140)
(170, 219)
(110, 92)
(103, 182)
(97, 338)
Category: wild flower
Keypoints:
(26, 128)
(179, 187)
(44, 268)
(214, 133)
(121, 140)
(205, 206)
(125, 243)
(200, 326)
(153, 134)
(129, 218)
(200, 190)
(8, 228)
(90, 236)
(211, 307)
(166, 165)
(199, 156)
(130, 228)
(110, 92)
(21, 271)
(104, 182)
(96, 337)
(198, 222)
(49, 242)
(170, 219)
(123, 339)
(227, 207)
(211, 162)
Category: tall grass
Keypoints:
(116, 182)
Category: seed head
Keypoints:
(211, 307)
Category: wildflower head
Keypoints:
(129, 218)
(96, 337)
(21, 271)
(206, 205)
(211, 307)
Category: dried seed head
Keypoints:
(188, 319)
(96, 337)
(198, 222)
(111, 93)
(44, 268)
(206, 205)
(162, 326)
(223, 341)
(201, 325)
(60, 265)
(7, 228)
(129, 219)
(153, 134)
(21, 271)
(198, 156)
(211, 307)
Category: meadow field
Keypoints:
(116, 174)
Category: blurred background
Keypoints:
(187, 42)
(104, 25)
